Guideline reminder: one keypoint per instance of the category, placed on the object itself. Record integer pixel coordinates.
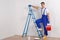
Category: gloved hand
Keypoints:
(29, 5)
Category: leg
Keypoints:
(45, 31)
(44, 20)
(38, 23)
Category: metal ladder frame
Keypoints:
(30, 14)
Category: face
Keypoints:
(42, 5)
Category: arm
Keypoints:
(36, 7)
(48, 16)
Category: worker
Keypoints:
(44, 17)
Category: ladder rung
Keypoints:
(33, 18)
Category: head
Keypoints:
(42, 4)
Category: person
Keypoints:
(44, 18)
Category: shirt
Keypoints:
(42, 10)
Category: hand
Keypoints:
(29, 5)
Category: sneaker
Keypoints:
(40, 29)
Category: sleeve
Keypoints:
(47, 11)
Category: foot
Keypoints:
(45, 37)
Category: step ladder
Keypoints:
(31, 15)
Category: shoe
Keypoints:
(40, 29)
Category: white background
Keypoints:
(8, 21)
(13, 15)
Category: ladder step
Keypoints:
(33, 18)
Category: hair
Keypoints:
(42, 2)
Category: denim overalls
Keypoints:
(43, 20)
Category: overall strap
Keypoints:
(43, 11)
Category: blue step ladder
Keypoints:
(30, 14)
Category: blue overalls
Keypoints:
(43, 20)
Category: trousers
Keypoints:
(43, 20)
